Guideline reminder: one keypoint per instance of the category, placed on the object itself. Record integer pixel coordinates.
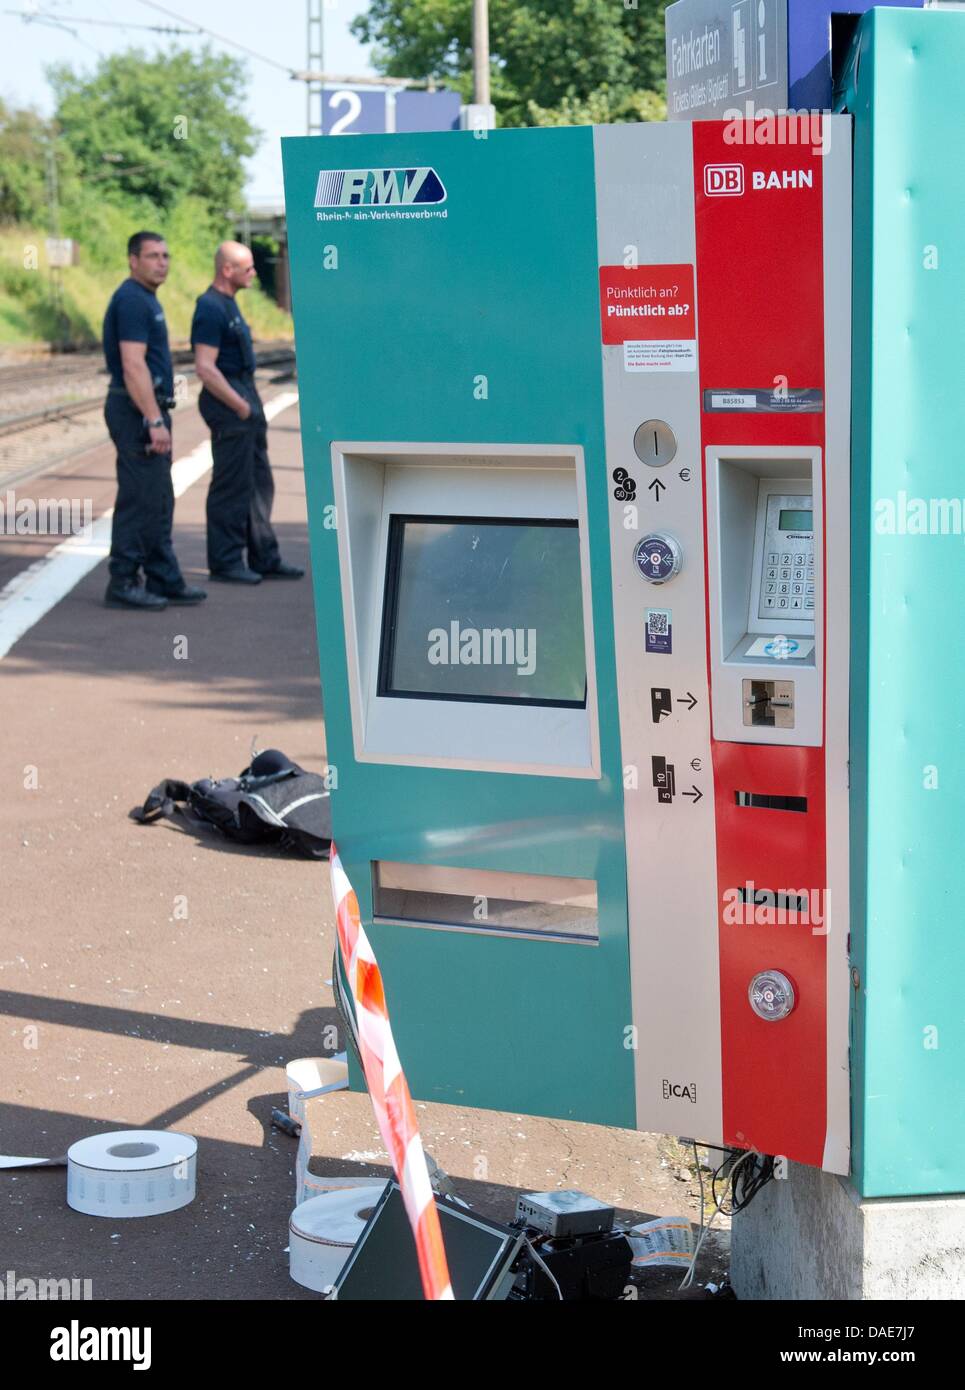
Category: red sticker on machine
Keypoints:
(649, 309)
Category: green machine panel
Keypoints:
(470, 318)
(908, 714)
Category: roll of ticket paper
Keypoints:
(323, 1230)
(132, 1172)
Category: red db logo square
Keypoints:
(723, 180)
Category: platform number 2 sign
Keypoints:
(352, 104)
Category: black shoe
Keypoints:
(239, 575)
(185, 596)
(129, 594)
(282, 571)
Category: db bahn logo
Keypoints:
(723, 180)
(354, 188)
(681, 1092)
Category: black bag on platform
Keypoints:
(274, 801)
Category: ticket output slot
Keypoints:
(766, 562)
(768, 704)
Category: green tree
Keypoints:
(24, 140)
(159, 127)
(552, 63)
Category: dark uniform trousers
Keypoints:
(242, 488)
(144, 510)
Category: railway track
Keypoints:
(29, 379)
(50, 411)
(31, 373)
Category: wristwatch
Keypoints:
(154, 424)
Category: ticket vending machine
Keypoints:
(575, 415)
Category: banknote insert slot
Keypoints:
(765, 802)
(769, 897)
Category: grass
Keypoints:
(27, 313)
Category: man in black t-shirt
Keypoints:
(139, 399)
(242, 488)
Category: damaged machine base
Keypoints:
(811, 1236)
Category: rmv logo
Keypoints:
(352, 188)
(723, 180)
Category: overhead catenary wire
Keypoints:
(221, 38)
(53, 21)
(297, 74)
(58, 20)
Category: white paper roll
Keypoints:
(132, 1172)
(323, 1231)
(308, 1079)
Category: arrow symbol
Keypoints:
(688, 700)
(695, 794)
(655, 488)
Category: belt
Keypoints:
(164, 402)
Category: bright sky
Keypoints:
(276, 29)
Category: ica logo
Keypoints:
(353, 188)
(681, 1091)
(723, 180)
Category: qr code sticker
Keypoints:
(659, 631)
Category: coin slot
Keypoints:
(655, 443)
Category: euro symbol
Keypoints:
(684, 475)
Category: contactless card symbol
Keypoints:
(782, 648)
(658, 557)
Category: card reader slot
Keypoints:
(764, 802)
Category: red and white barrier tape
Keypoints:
(388, 1087)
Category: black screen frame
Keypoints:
(390, 602)
(487, 1284)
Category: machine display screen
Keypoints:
(796, 520)
(488, 609)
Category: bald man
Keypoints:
(242, 548)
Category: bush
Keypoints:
(121, 164)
